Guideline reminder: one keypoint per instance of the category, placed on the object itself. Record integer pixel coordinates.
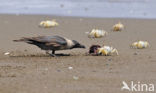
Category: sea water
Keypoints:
(82, 8)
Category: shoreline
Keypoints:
(52, 15)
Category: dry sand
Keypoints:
(30, 70)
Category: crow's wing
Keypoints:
(48, 41)
(55, 41)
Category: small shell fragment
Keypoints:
(6, 53)
(96, 33)
(75, 77)
(48, 23)
(118, 27)
(140, 44)
(70, 68)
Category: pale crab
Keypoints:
(118, 27)
(48, 23)
(107, 51)
(96, 33)
(140, 44)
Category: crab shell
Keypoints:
(93, 49)
(107, 50)
(118, 27)
(96, 33)
(48, 23)
(140, 44)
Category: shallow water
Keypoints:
(85, 8)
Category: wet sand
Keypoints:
(29, 70)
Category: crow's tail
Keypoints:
(28, 40)
(22, 40)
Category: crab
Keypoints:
(96, 33)
(118, 27)
(48, 23)
(93, 49)
(107, 51)
(140, 44)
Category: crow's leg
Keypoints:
(51, 54)
(53, 51)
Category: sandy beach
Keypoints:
(29, 70)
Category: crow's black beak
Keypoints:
(79, 46)
(82, 46)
